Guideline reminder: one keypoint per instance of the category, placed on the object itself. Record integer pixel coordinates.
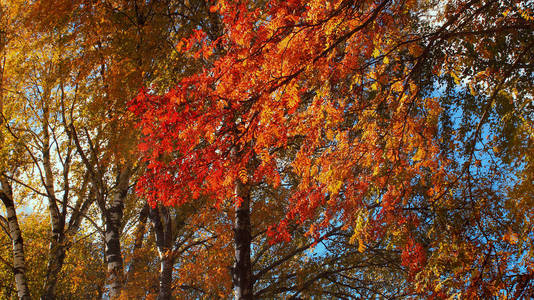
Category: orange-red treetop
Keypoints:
(319, 89)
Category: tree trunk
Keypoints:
(242, 270)
(55, 263)
(56, 252)
(165, 277)
(19, 268)
(113, 220)
(162, 223)
(113, 252)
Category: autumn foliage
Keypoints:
(338, 84)
(393, 138)
(329, 81)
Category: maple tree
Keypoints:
(139, 36)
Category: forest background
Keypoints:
(266, 149)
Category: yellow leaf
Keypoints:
(376, 53)
(374, 86)
(313, 171)
(361, 245)
(511, 237)
(335, 187)
(455, 77)
(376, 170)
(397, 86)
(420, 154)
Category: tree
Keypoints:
(118, 46)
(67, 91)
(288, 149)
(10, 225)
(129, 47)
(42, 92)
(479, 57)
(219, 132)
(82, 275)
(346, 83)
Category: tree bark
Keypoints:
(55, 263)
(113, 226)
(162, 223)
(19, 267)
(242, 270)
(165, 278)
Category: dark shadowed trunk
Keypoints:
(165, 277)
(242, 270)
(162, 223)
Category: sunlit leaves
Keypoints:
(348, 90)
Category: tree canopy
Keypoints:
(267, 149)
